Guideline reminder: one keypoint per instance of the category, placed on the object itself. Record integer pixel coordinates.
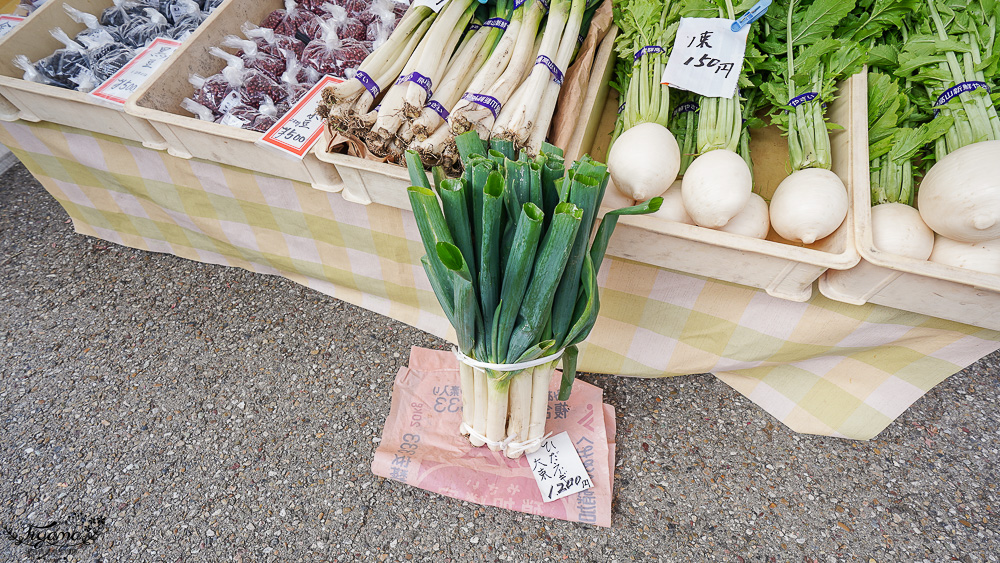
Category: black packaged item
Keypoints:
(68, 67)
(106, 57)
(255, 58)
(209, 6)
(122, 11)
(176, 10)
(94, 31)
(139, 32)
(187, 25)
(31, 73)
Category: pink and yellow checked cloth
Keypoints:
(820, 367)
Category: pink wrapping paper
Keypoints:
(421, 445)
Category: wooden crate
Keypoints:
(367, 182)
(159, 103)
(905, 283)
(40, 102)
(784, 269)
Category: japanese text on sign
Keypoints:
(8, 23)
(557, 468)
(126, 81)
(299, 129)
(707, 57)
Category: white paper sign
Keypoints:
(127, 80)
(707, 57)
(8, 23)
(557, 468)
(299, 129)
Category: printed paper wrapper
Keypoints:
(421, 445)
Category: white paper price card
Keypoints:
(130, 77)
(299, 129)
(557, 468)
(707, 57)
(8, 23)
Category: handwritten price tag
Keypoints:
(8, 23)
(557, 468)
(301, 127)
(130, 77)
(707, 57)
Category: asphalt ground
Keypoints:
(212, 414)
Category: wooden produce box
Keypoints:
(783, 269)
(41, 102)
(920, 286)
(367, 181)
(158, 101)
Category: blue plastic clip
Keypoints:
(752, 15)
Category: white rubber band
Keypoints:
(473, 434)
(517, 448)
(506, 367)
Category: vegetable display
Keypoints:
(495, 68)
(510, 258)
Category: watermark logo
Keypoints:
(76, 531)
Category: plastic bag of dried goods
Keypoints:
(291, 21)
(217, 91)
(107, 56)
(198, 110)
(255, 58)
(254, 85)
(122, 11)
(94, 29)
(68, 67)
(270, 42)
(141, 31)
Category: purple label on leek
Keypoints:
(418, 79)
(648, 50)
(498, 23)
(518, 4)
(488, 102)
(802, 98)
(438, 109)
(544, 3)
(621, 108)
(580, 38)
(957, 89)
(557, 74)
(368, 83)
(473, 27)
(685, 108)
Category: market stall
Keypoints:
(285, 138)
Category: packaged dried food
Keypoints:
(68, 67)
(291, 21)
(106, 56)
(214, 91)
(255, 58)
(330, 55)
(270, 42)
(141, 31)
(94, 29)
(198, 110)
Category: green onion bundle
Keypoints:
(509, 258)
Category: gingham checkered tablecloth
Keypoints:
(820, 367)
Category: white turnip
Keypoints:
(644, 161)
(898, 229)
(808, 205)
(716, 187)
(959, 197)
(672, 208)
(980, 256)
(752, 221)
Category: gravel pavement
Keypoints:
(212, 414)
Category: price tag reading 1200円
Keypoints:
(557, 468)
(707, 57)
